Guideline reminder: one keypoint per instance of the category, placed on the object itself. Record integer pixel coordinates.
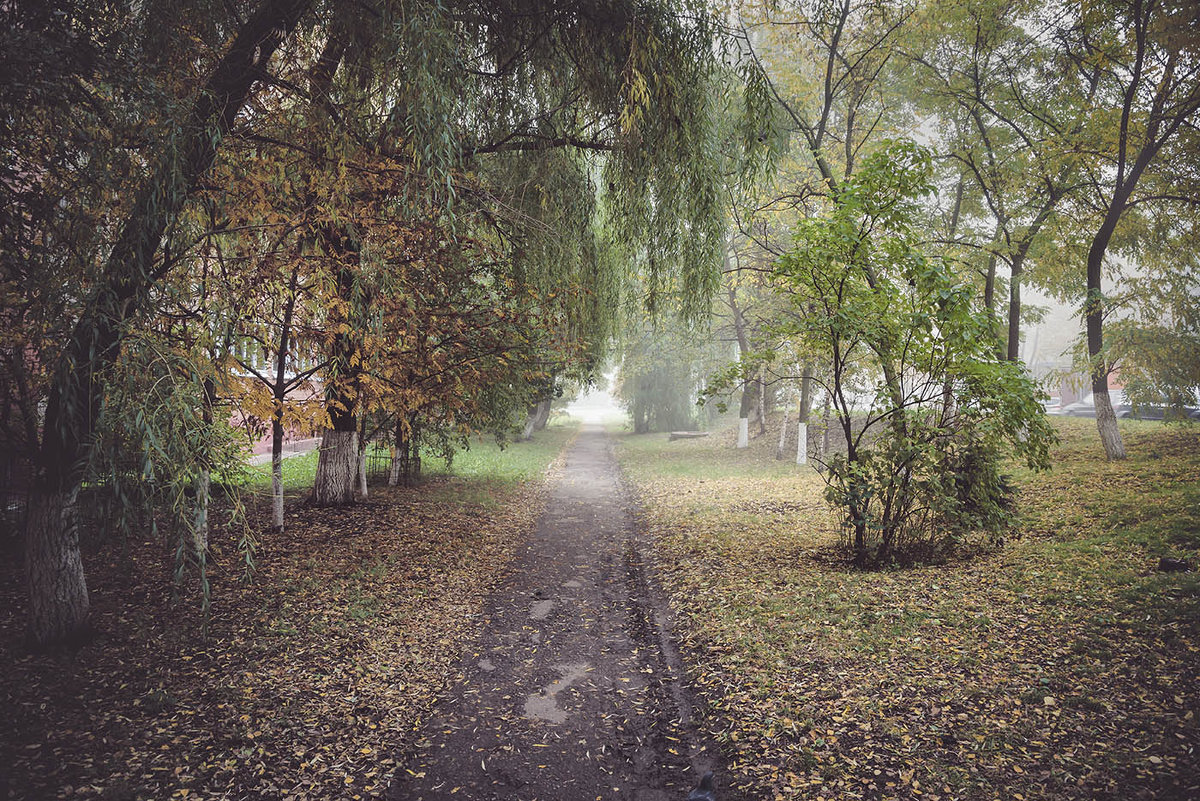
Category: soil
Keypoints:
(573, 691)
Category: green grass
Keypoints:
(485, 460)
(704, 457)
(516, 461)
(1058, 666)
(298, 474)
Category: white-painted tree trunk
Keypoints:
(802, 444)
(277, 489)
(527, 431)
(782, 434)
(743, 440)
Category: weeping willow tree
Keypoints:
(123, 85)
(579, 139)
(121, 112)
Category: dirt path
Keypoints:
(573, 692)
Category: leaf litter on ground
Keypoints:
(1058, 666)
(312, 679)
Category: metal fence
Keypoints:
(379, 464)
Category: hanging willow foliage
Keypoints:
(577, 140)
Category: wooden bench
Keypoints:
(687, 434)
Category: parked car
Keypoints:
(1126, 410)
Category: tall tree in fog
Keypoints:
(989, 85)
(1143, 57)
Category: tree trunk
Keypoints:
(279, 390)
(58, 594)
(397, 460)
(640, 424)
(762, 407)
(806, 393)
(204, 480)
(361, 465)
(861, 556)
(803, 413)
(530, 423)
(989, 289)
(342, 392)
(394, 472)
(1106, 423)
(57, 587)
(336, 468)
(825, 427)
(782, 434)
(749, 390)
(543, 415)
(1106, 420)
(746, 407)
(414, 458)
(1014, 309)
(277, 469)
(406, 456)
(200, 516)
(743, 434)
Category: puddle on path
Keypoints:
(540, 610)
(544, 705)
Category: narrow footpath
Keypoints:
(573, 691)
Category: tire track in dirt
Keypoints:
(573, 690)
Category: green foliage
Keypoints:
(509, 462)
(925, 407)
(1154, 336)
(160, 441)
(661, 375)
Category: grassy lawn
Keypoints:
(484, 462)
(1060, 666)
(312, 676)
